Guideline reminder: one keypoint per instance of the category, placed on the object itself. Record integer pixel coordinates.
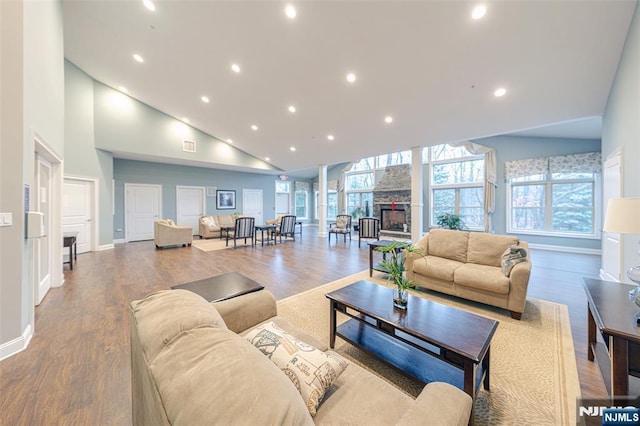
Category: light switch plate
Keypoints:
(6, 219)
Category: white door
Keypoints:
(142, 206)
(78, 213)
(282, 203)
(611, 243)
(42, 262)
(252, 204)
(190, 206)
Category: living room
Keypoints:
(68, 118)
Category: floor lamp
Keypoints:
(623, 217)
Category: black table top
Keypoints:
(221, 287)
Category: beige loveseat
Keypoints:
(211, 225)
(469, 265)
(191, 366)
(167, 233)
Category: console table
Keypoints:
(611, 313)
(70, 239)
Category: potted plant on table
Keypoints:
(393, 264)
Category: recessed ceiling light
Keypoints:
(254, 127)
(290, 11)
(267, 159)
(388, 119)
(293, 148)
(500, 92)
(479, 11)
(235, 68)
(185, 119)
(205, 99)
(330, 137)
(149, 5)
(138, 58)
(229, 141)
(292, 108)
(351, 77)
(123, 89)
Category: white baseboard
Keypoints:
(16, 345)
(119, 241)
(106, 247)
(566, 249)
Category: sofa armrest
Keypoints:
(519, 282)
(423, 246)
(246, 311)
(439, 404)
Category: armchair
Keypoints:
(167, 233)
(287, 227)
(342, 226)
(244, 228)
(368, 227)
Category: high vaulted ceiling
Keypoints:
(426, 64)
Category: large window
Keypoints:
(457, 180)
(332, 205)
(301, 203)
(553, 196)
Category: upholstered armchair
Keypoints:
(245, 228)
(167, 233)
(341, 227)
(275, 221)
(287, 227)
(368, 227)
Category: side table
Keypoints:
(372, 246)
(611, 313)
(271, 237)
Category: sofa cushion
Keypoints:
(482, 277)
(449, 244)
(487, 249)
(309, 369)
(225, 220)
(209, 375)
(163, 315)
(436, 267)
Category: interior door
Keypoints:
(190, 206)
(77, 212)
(143, 205)
(42, 253)
(611, 243)
(252, 204)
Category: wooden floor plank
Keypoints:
(76, 369)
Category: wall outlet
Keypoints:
(6, 219)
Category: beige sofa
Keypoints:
(191, 366)
(211, 225)
(469, 265)
(167, 233)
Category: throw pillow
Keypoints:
(311, 370)
(209, 221)
(341, 223)
(171, 222)
(511, 257)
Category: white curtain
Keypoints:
(490, 178)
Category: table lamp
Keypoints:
(623, 217)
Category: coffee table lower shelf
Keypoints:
(401, 353)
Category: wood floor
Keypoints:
(76, 370)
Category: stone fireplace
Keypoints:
(392, 201)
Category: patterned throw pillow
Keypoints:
(311, 370)
(209, 221)
(341, 223)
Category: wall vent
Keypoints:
(189, 146)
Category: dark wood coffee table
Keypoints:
(221, 287)
(429, 341)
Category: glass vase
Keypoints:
(400, 297)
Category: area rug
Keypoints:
(534, 377)
(210, 244)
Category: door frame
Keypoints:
(128, 185)
(93, 187)
(42, 148)
(203, 201)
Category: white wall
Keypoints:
(33, 79)
(621, 126)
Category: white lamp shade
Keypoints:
(622, 216)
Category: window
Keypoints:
(301, 204)
(457, 184)
(283, 189)
(332, 205)
(553, 196)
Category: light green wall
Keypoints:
(621, 126)
(82, 159)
